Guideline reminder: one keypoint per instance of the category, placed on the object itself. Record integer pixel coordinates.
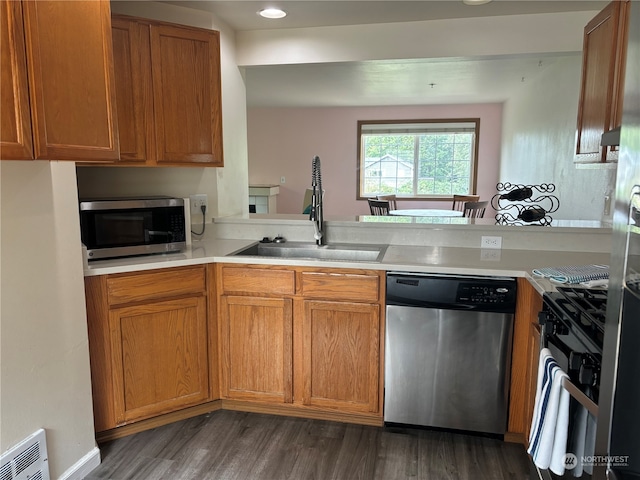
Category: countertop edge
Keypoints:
(435, 260)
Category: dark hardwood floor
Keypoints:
(237, 445)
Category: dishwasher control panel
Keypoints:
(492, 294)
(485, 294)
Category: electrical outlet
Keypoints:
(196, 202)
(491, 242)
(490, 255)
(282, 179)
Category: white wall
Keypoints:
(44, 356)
(538, 141)
(227, 188)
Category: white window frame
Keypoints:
(415, 127)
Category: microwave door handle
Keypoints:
(158, 233)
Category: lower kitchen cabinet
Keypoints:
(256, 337)
(148, 344)
(159, 357)
(341, 355)
(524, 362)
(302, 339)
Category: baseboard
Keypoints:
(289, 410)
(160, 420)
(515, 437)
(83, 467)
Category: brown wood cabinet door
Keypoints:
(621, 61)
(341, 355)
(159, 357)
(599, 55)
(134, 96)
(528, 305)
(186, 89)
(15, 134)
(256, 346)
(72, 92)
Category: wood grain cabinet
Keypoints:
(257, 347)
(341, 355)
(602, 84)
(524, 362)
(16, 142)
(341, 340)
(148, 344)
(532, 375)
(304, 339)
(58, 91)
(168, 93)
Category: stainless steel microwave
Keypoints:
(122, 227)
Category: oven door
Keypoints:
(582, 366)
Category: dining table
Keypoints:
(425, 212)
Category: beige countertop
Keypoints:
(421, 259)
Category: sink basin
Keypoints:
(335, 252)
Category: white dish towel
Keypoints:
(550, 422)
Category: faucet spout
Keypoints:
(316, 201)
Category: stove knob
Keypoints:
(559, 328)
(587, 375)
(575, 361)
(589, 371)
(543, 318)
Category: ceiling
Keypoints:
(242, 15)
(393, 82)
(406, 82)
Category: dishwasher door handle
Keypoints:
(432, 305)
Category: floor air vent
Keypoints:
(27, 460)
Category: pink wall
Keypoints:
(282, 142)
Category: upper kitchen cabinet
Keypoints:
(168, 93)
(62, 51)
(603, 63)
(15, 139)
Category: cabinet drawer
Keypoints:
(341, 286)
(153, 285)
(258, 280)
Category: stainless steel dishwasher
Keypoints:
(448, 351)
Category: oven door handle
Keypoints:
(580, 397)
(568, 385)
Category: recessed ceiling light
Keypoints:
(475, 2)
(272, 13)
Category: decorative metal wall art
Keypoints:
(518, 204)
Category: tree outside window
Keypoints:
(423, 159)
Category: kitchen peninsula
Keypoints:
(215, 287)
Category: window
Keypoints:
(417, 158)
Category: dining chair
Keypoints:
(474, 209)
(391, 199)
(379, 207)
(459, 200)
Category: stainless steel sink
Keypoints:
(336, 252)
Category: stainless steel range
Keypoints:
(572, 321)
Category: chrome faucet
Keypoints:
(316, 201)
